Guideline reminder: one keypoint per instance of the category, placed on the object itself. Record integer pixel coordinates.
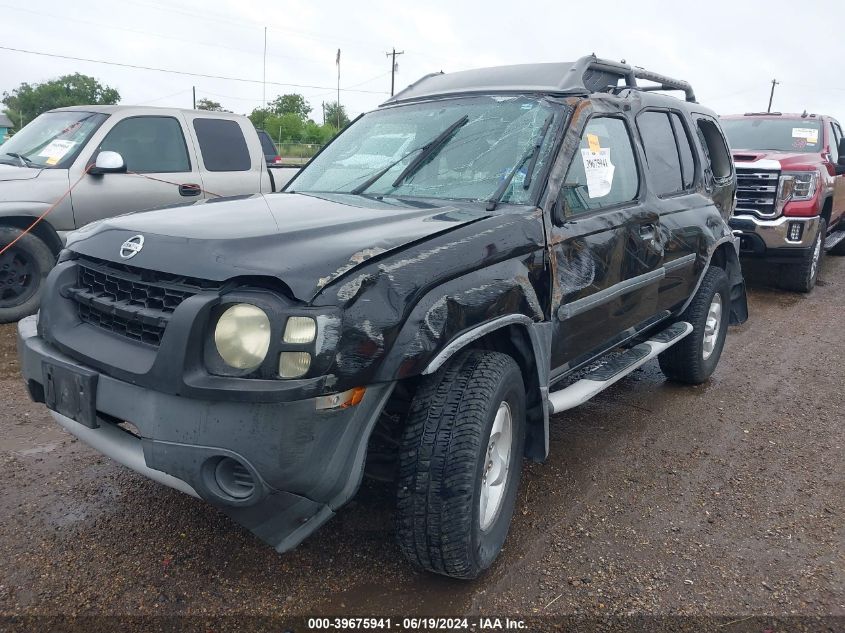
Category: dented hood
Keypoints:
(304, 240)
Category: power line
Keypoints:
(175, 94)
(181, 72)
(229, 20)
(101, 25)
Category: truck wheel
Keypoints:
(802, 276)
(22, 271)
(460, 464)
(694, 359)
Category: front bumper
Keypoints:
(770, 239)
(303, 463)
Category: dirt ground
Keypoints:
(724, 499)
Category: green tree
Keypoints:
(211, 106)
(335, 111)
(27, 101)
(287, 128)
(290, 104)
(259, 116)
(313, 133)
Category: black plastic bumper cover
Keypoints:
(305, 463)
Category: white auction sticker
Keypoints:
(57, 149)
(599, 171)
(812, 135)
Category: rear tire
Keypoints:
(453, 458)
(693, 360)
(802, 276)
(22, 271)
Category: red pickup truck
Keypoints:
(791, 191)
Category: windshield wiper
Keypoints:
(381, 172)
(430, 149)
(426, 151)
(533, 154)
(25, 162)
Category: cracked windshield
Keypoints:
(462, 149)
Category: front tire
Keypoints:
(801, 277)
(693, 360)
(460, 463)
(22, 271)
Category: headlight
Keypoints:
(300, 329)
(242, 336)
(804, 184)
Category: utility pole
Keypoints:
(264, 77)
(338, 89)
(324, 112)
(775, 82)
(393, 68)
(195, 97)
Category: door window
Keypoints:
(149, 144)
(661, 152)
(604, 170)
(222, 145)
(685, 150)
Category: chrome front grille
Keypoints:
(757, 191)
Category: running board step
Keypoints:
(616, 368)
(833, 239)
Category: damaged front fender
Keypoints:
(401, 311)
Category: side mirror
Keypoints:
(108, 163)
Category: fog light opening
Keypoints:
(796, 230)
(233, 478)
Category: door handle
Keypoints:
(190, 189)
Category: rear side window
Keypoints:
(604, 170)
(661, 152)
(222, 145)
(149, 144)
(685, 149)
(717, 150)
(267, 144)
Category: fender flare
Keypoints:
(43, 230)
(539, 335)
(733, 268)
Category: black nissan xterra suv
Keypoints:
(544, 230)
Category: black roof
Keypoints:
(586, 75)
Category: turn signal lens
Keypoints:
(300, 329)
(294, 364)
(342, 400)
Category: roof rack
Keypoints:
(763, 114)
(613, 71)
(586, 75)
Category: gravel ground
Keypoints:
(724, 499)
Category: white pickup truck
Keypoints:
(136, 158)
